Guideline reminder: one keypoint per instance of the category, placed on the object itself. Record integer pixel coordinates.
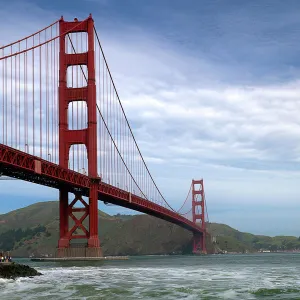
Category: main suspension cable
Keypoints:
(115, 145)
(128, 122)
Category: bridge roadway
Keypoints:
(18, 164)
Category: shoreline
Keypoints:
(12, 270)
(53, 259)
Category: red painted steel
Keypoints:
(18, 164)
(198, 213)
(87, 136)
(31, 125)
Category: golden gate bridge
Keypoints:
(64, 126)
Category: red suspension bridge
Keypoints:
(64, 126)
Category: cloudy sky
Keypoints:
(211, 89)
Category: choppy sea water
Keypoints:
(261, 276)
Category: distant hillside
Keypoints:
(232, 240)
(34, 230)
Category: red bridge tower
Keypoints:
(198, 210)
(86, 136)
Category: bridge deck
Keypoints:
(18, 164)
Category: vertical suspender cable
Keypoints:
(11, 100)
(33, 103)
(40, 87)
(3, 98)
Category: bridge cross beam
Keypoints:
(78, 223)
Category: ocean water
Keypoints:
(260, 276)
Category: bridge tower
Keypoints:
(86, 136)
(198, 211)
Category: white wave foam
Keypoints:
(142, 279)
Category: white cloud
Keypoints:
(244, 140)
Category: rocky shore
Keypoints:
(13, 271)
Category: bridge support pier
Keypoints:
(199, 245)
(91, 248)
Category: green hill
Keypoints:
(33, 230)
(232, 240)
